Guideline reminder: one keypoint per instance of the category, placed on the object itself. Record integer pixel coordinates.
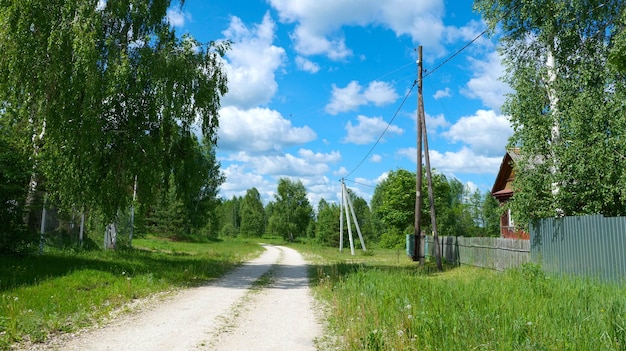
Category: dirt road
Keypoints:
(278, 314)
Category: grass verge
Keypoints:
(376, 302)
(62, 291)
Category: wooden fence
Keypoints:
(493, 253)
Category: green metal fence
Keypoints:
(586, 246)
(493, 253)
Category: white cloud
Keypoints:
(485, 132)
(380, 93)
(239, 180)
(470, 32)
(382, 177)
(462, 161)
(318, 22)
(346, 99)
(351, 98)
(175, 16)
(251, 63)
(442, 93)
(485, 83)
(333, 156)
(285, 165)
(307, 65)
(368, 130)
(259, 130)
(438, 121)
(376, 158)
(342, 171)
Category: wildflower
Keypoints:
(529, 324)
(400, 333)
(410, 316)
(15, 298)
(408, 307)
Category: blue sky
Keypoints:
(313, 84)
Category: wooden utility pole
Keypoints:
(421, 132)
(417, 235)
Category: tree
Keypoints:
(292, 210)
(491, 215)
(567, 110)
(197, 177)
(327, 229)
(230, 217)
(14, 176)
(105, 92)
(252, 214)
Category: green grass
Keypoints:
(376, 302)
(62, 291)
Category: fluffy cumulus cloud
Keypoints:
(251, 63)
(259, 130)
(353, 96)
(306, 65)
(239, 179)
(368, 130)
(486, 132)
(306, 163)
(485, 83)
(454, 162)
(439, 94)
(175, 16)
(318, 22)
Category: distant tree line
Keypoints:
(390, 216)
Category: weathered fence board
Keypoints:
(493, 253)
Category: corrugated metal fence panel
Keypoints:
(590, 246)
(493, 253)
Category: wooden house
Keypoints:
(502, 190)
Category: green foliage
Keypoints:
(170, 218)
(15, 238)
(392, 239)
(491, 212)
(109, 95)
(291, 211)
(229, 216)
(458, 212)
(252, 214)
(327, 229)
(567, 110)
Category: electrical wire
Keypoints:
(409, 93)
(384, 131)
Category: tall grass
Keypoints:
(381, 304)
(64, 290)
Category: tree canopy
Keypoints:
(291, 211)
(108, 93)
(567, 108)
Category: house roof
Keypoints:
(504, 174)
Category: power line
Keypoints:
(409, 93)
(456, 53)
(355, 182)
(384, 131)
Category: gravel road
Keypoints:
(229, 314)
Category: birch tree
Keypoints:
(567, 110)
(104, 89)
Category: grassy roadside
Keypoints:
(377, 302)
(62, 291)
